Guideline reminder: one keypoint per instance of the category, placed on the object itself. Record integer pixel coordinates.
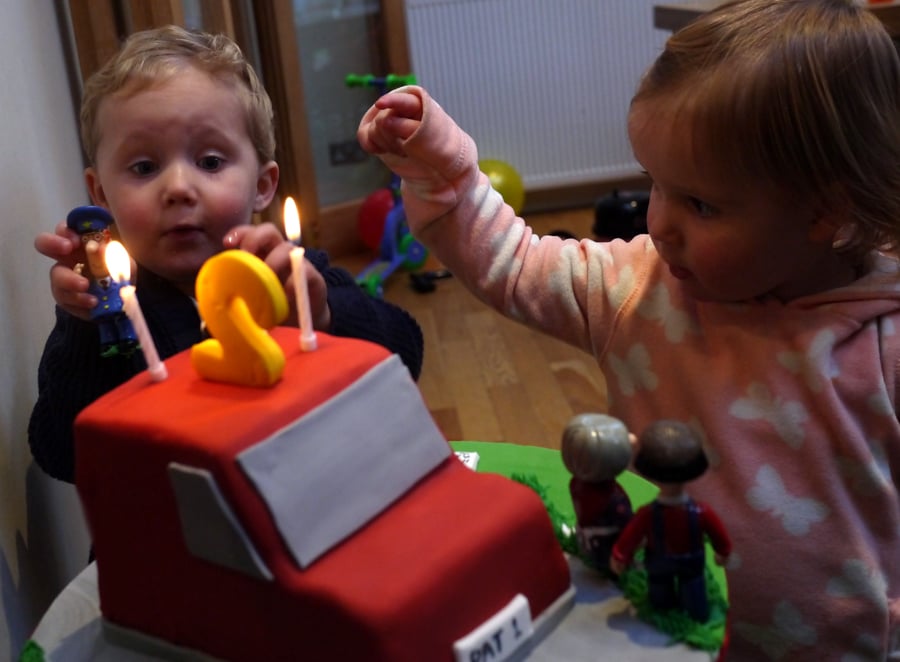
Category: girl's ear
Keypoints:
(95, 189)
(831, 219)
(266, 185)
(823, 229)
(830, 230)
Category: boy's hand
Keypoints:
(389, 122)
(68, 287)
(266, 242)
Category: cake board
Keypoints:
(601, 620)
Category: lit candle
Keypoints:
(118, 264)
(301, 290)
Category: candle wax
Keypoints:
(308, 340)
(155, 367)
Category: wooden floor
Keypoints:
(486, 378)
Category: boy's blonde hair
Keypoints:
(151, 56)
(802, 95)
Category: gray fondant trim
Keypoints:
(334, 469)
(210, 528)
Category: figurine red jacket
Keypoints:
(602, 504)
(677, 531)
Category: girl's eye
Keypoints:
(143, 168)
(210, 162)
(702, 209)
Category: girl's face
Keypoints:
(728, 240)
(177, 170)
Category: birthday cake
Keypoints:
(324, 517)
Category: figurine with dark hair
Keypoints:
(595, 449)
(673, 528)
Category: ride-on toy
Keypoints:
(382, 219)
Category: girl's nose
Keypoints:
(661, 220)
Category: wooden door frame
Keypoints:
(331, 228)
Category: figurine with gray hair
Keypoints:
(595, 449)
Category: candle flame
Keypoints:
(291, 220)
(118, 264)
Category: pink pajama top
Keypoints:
(796, 401)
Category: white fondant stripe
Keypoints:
(499, 637)
(469, 458)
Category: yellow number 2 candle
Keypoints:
(239, 298)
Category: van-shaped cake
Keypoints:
(324, 517)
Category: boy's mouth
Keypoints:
(183, 231)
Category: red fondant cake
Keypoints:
(321, 518)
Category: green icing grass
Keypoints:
(564, 528)
(633, 582)
(31, 652)
(706, 636)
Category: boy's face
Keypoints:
(177, 170)
(728, 240)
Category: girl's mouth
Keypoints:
(679, 272)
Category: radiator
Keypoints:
(543, 85)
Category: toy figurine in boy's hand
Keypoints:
(117, 335)
(674, 527)
(595, 449)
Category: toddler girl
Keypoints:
(762, 308)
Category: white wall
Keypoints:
(548, 92)
(42, 538)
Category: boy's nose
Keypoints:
(178, 184)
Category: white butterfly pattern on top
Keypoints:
(819, 352)
(858, 580)
(619, 292)
(865, 648)
(502, 245)
(634, 371)
(880, 404)
(787, 632)
(786, 417)
(867, 479)
(657, 306)
(797, 514)
(881, 462)
(559, 280)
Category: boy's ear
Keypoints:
(95, 189)
(266, 185)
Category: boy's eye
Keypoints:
(142, 168)
(702, 208)
(210, 162)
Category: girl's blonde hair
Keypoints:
(150, 56)
(802, 95)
